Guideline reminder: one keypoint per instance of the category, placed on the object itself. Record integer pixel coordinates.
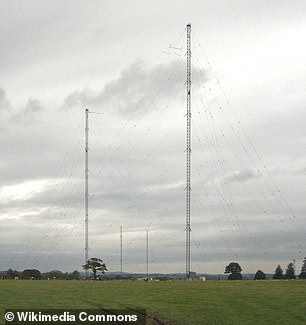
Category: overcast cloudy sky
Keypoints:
(126, 59)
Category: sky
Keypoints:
(125, 61)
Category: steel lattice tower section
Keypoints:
(86, 187)
(188, 151)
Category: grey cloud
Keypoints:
(302, 171)
(29, 113)
(5, 107)
(242, 176)
(139, 88)
(25, 115)
(127, 187)
(4, 103)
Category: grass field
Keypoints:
(178, 302)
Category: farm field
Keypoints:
(177, 302)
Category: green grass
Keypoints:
(211, 302)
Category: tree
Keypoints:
(59, 275)
(259, 275)
(235, 270)
(12, 274)
(95, 264)
(32, 274)
(290, 273)
(303, 270)
(278, 274)
(75, 275)
(55, 275)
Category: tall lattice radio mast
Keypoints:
(86, 187)
(188, 151)
(121, 250)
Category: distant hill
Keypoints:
(162, 276)
(174, 276)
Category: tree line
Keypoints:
(235, 272)
(97, 265)
(34, 274)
